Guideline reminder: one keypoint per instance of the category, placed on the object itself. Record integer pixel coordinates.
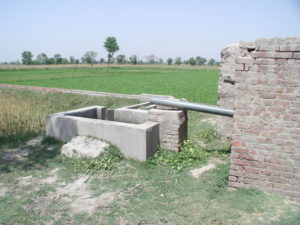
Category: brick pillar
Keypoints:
(172, 127)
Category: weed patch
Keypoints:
(106, 161)
(190, 155)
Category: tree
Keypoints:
(50, 61)
(151, 59)
(102, 60)
(121, 59)
(160, 61)
(192, 61)
(42, 58)
(169, 61)
(133, 60)
(200, 60)
(72, 60)
(211, 62)
(89, 57)
(177, 61)
(64, 61)
(27, 58)
(111, 47)
(57, 58)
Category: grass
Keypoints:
(23, 113)
(156, 192)
(195, 84)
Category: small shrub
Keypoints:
(207, 135)
(190, 155)
(106, 161)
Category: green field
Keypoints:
(194, 84)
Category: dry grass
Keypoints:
(23, 112)
(16, 115)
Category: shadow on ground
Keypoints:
(34, 154)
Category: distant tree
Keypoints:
(58, 59)
(192, 61)
(42, 58)
(111, 47)
(121, 59)
(89, 57)
(217, 63)
(169, 61)
(151, 59)
(102, 60)
(72, 60)
(160, 61)
(177, 61)
(133, 60)
(64, 61)
(50, 61)
(186, 62)
(211, 62)
(200, 60)
(76, 61)
(27, 58)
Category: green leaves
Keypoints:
(190, 155)
(106, 161)
(111, 47)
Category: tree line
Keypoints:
(111, 46)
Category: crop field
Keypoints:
(194, 84)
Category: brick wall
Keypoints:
(172, 127)
(266, 135)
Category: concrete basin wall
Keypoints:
(136, 141)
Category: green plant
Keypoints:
(207, 135)
(105, 161)
(190, 154)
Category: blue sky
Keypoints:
(165, 28)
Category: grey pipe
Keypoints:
(193, 106)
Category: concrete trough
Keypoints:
(128, 129)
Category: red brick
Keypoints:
(264, 61)
(268, 68)
(232, 178)
(245, 156)
(296, 55)
(236, 184)
(240, 162)
(251, 170)
(267, 95)
(286, 48)
(281, 61)
(277, 55)
(234, 167)
(238, 144)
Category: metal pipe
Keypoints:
(193, 106)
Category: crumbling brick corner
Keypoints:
(266, 125)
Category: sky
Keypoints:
(165, 28)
